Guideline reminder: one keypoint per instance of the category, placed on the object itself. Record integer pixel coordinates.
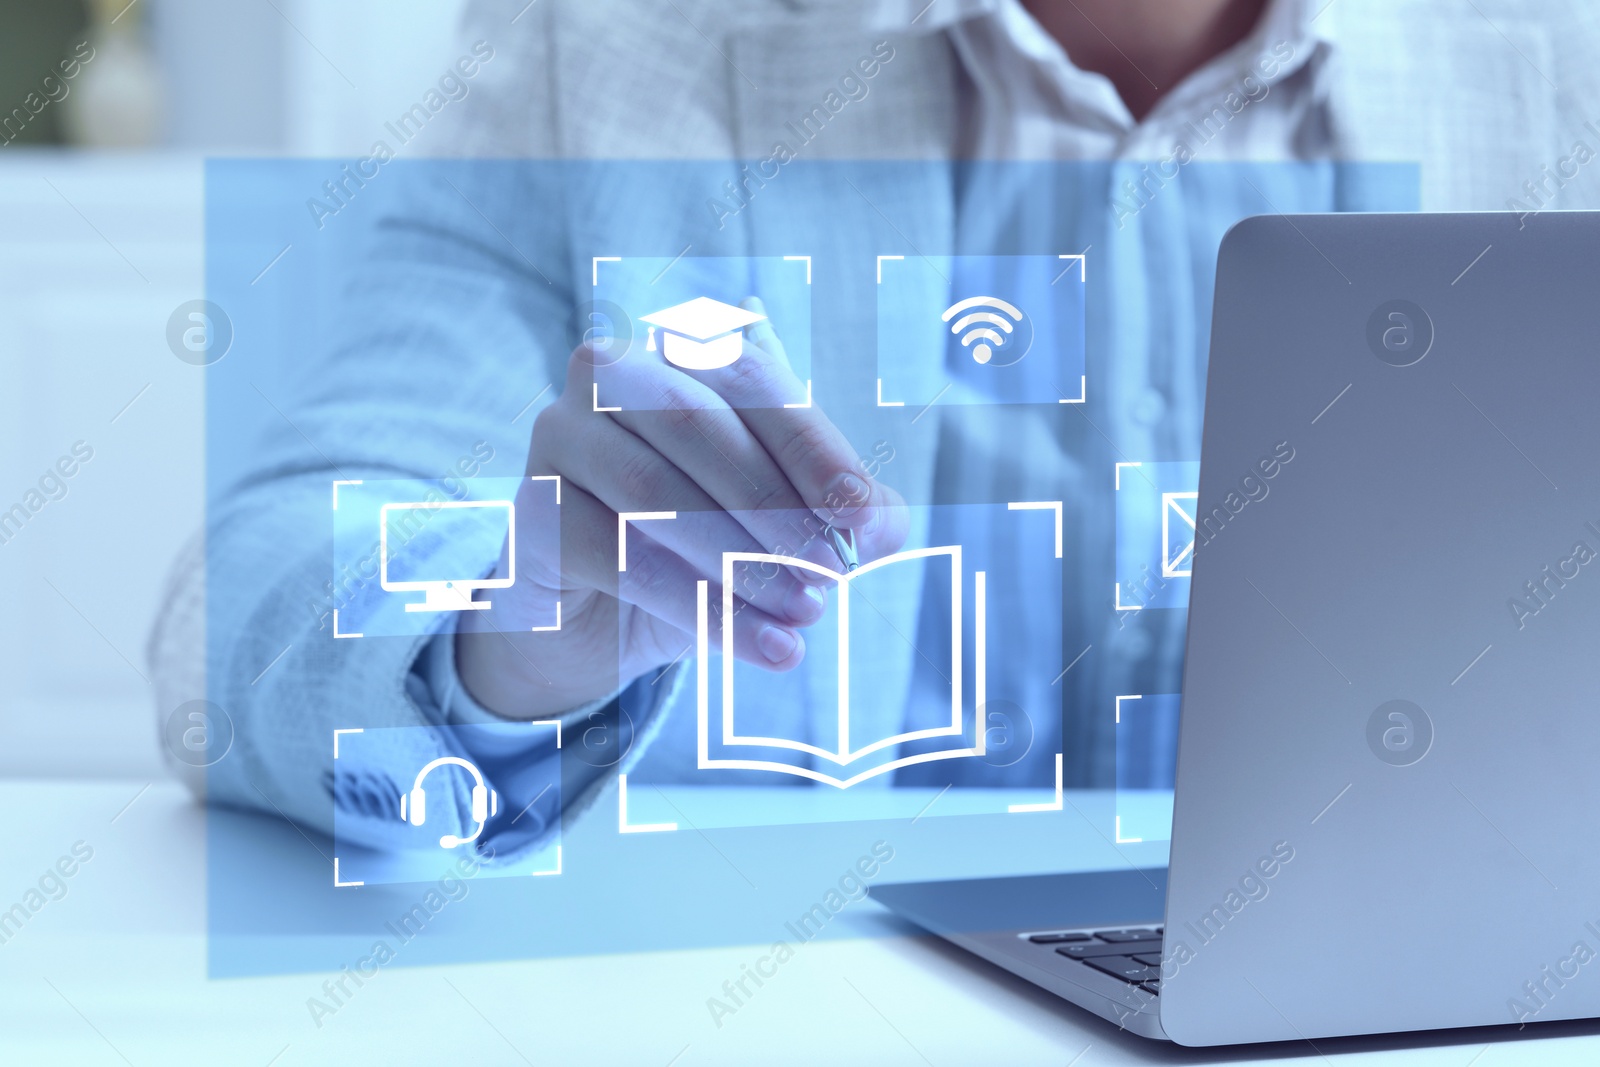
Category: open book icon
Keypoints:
(853, 758)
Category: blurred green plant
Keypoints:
(35, 36)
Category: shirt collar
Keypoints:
(1294, 21)
(1284, 22)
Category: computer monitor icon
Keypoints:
(447, 577)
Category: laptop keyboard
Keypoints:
(1133, 954)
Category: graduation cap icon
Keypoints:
(700, 334)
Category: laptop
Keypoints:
(1389, 755)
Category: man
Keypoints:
(1484, 99)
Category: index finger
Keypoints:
(810, 450)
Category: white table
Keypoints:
(114, 971)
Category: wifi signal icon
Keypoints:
(983, 331)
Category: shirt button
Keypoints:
(1148, 408)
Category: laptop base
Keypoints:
(1028, 924)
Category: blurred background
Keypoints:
(107, 113)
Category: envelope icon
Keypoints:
(1177, 534)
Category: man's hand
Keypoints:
(719, 448)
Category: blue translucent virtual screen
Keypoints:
(1018, 350)
(378, 840)
(410, 554)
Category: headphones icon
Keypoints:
(485, 801)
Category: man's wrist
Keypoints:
(504, 680)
